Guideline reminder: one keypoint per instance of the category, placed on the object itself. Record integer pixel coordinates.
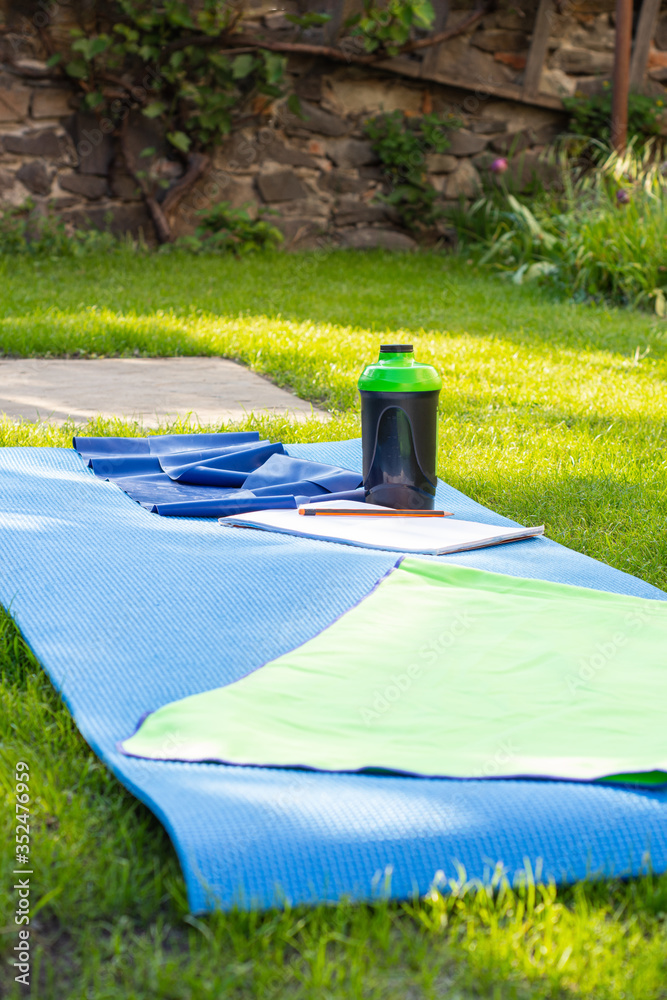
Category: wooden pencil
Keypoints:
(346, 512)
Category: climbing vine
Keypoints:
(388, 26)
(158, 58)
(402, 144)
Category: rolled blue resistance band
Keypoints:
(212, 475)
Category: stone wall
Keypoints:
(321, 176)
(317, 173)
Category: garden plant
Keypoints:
(597, 232)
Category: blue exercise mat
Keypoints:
(214, 475)
(128, 611)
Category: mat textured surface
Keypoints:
(128, 611)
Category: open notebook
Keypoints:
(426, 536)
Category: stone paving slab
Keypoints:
(151, 390)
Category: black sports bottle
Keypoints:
(399, 429)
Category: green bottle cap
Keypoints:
(397, 371)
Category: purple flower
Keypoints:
(622, 196)
(500, 165)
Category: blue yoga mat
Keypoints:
(128, 611)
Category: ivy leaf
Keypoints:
(148, 52)
(98, 45)
(180, 140)
(294, 105)
(91, 47)
(424, 13)
(54, 59)
(129, 33)
(212, 120)
(147, 151)
(269, 90)
(93, 99)
(242, 66)
(154, 109)
(176, 59)
(77, 68)
(178, 15)
(274, 66)
(405, 16)
(218, 61)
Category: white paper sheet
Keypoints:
(424, 536)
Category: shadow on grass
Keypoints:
(373, 291)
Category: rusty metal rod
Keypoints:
(619, 105)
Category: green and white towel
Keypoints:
(448, 671)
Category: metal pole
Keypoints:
(619, 107)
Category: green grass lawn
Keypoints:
(549, 412)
